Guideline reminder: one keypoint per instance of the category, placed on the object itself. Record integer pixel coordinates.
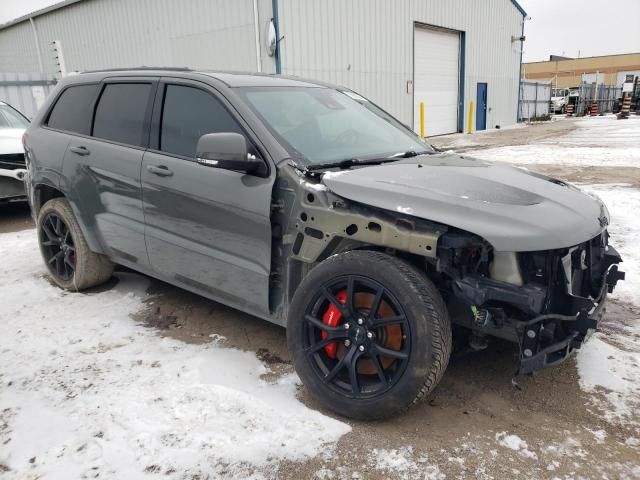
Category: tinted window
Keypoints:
(72, 112)
(121, 111)
(188, 114)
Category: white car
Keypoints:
(12, 166)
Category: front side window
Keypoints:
(189, 113)
(11, 118)
(324, 125)
(72, 112)
(121, 112)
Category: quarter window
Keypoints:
(121, 112)
(189, 113)
(72, 112)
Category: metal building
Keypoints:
(399, 53)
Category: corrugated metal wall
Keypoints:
(367, 45)
(24, 91)
(115, 33)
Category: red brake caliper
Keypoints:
(332, 317)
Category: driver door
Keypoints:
(206, 228)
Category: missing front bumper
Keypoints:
(536, 355)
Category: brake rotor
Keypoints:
(389, 336)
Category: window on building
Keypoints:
(121, 112)
(72, 112)
(189, 113)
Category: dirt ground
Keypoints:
(453, 433)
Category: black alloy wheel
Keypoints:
(357, 337)
(58, 247)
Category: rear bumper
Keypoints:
(535, 354)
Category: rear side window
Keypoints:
(189, 113)
(72, 112)
(121, 112)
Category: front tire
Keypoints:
(72, 265)
(369, 334)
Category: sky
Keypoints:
(580, 28)
(561, 27)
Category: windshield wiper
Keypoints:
(350, 162)
(410, 154)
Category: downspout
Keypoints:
(274, 8)
(37, 40)
(256, 25)
(520, 77)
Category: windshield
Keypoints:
(322, 125)
(11, 118)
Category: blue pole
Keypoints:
(274, 8)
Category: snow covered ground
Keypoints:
(84, 390)
(610, 361)
(602, 141)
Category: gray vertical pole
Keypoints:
(37, 41)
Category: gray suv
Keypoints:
(307, 205)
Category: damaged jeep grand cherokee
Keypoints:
(309, 206)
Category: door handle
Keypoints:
(160, 170)
(82, 151)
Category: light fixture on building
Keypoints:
(271, 38)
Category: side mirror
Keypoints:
(227, 151)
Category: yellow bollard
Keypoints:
(470, 117)
(421, 119)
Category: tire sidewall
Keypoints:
(61, 208)
(406, 389)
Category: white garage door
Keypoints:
(436, 77)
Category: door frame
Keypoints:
(486, 105)
(461, 69)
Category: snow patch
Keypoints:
(514, 442)
(540, 154)
(604, 366)
(401, 463)
(623, 204)
(86, 391)
(632, 442)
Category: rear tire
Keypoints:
(72, 265)
(397, 343)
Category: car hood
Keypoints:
(11, 140)
(510, 207)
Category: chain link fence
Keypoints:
(606, 97)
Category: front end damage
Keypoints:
(549, 302)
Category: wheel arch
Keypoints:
(43, 192)
(299, 269)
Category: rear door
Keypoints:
(206, 228)
(103, 169)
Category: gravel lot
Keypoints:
(139, 379)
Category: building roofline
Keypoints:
(583, 58)
(66, 3)
(519, 7)
(37, 13)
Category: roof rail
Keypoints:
(176, 69)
